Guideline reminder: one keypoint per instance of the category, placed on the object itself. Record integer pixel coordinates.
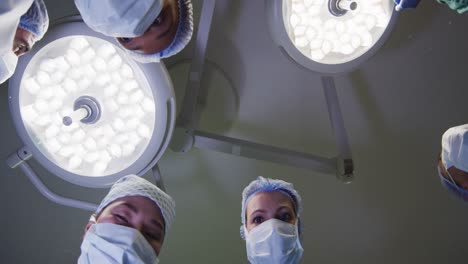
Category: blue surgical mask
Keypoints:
(115, 244)
(8, 63)
(274, 242)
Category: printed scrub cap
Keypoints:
(262, 184)
(35, 20)
(133, 185)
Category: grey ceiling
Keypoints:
(396, 107)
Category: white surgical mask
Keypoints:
(8, 63)
(110, 243)
(274, 242)
(117, 18)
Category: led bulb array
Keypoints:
(326, 38)
(92, 67)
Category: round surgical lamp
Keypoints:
(88, 112)
(330, 36)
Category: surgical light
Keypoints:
(330, 36)
(86, 111)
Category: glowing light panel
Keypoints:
(329, 39)
(69, 68)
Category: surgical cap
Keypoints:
(133, 185)
(182, 37)
(461, 6)
(35, 20)
(262, 184)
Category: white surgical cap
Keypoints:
(35, 20)
(182, 38)
(455, 147)
(262, 184)
(133, 185)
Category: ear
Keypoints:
(92, 221)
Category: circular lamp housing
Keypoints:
(119, 114)
(330, 36)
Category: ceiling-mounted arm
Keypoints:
(19, 159)
(186, 118)
(158, 177)
(345, 167)
(187, 136)
(258, 151)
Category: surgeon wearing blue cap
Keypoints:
(130, 224)
(22, 23)
(148, 30)
(453, 161)
(271, 222)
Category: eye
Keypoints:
(159, 20)
(153, 236)
(121, 219)
(125, 40)
(19, 50)
(286, 217)
(257, 220)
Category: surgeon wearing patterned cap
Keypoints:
(148, 30)
(453, 161)
(130, 224)
(271, 225)
(22, 23)
(461, 6)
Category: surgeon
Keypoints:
(271, 225)
(453, 161)
(148, 30)
(22, 23)
(130, 224)
(461, 6)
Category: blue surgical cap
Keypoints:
(133, 185)
(262, 184)
(35, 20)
(182, 37)
(455, 190)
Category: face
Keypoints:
(264, 206)
(459, 176)
(23, 42)
(139, 213)
(159, 35)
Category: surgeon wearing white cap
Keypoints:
(453, 161)
(22, 23)
(130, 224)
(149, 30)
(271, 225)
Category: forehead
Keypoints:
(268, 200)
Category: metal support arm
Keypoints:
(187, 136)
(19, 159)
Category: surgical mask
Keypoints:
(274, 242)
(7, 65)
(110, 243)
(117, 18)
